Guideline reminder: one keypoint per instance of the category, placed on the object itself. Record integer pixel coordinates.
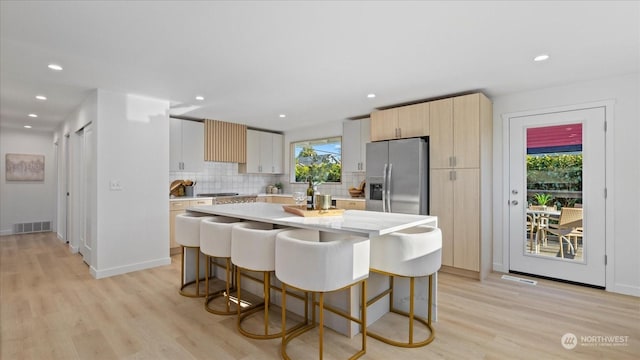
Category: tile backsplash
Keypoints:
(224, 177)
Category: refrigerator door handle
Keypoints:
(384, 189)
(389, 188)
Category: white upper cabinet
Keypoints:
(186, 142)
(355, 136)
(278, 153)
(264, 153)
(253, 152)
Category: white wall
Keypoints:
(132, 147)
(27, 201)
(623, 271)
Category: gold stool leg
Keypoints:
(411, 304)
(227, 288)
(321, 324)
(207, 274)
(223, 292)
(430, 301)
(184, 284)
(242, 315)
(362, 320)
(411, 343)
(182, 269)
(363, 315)
(267, 292)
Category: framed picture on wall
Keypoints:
(24, 167)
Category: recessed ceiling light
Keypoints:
(371, 96)
(27, 126)
(199, 98)
(41, 97)
(33, 115)
(283, 115)
(541, 57)
(55, 67)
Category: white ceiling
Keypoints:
(313, 61)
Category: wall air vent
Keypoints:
(32, 227)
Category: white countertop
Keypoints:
(187, 198)
(356, 222)
(337, 197)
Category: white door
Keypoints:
(66, 189)
(558, 158)
(86, 192)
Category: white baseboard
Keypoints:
(497, 267)
(615, 288)
(119, 270)
(625, 289)
(74, 249)
(6, 232)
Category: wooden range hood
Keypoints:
(225, 141)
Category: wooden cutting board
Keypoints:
(309, 213)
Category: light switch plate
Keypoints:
(114, 185)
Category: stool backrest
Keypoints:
(414, 252)
(304, 262)
(188, 229)
(215, 235)
(253, 245)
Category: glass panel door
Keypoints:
(556, 200)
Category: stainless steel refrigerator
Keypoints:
(398, 176)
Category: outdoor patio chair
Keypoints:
(569, 227)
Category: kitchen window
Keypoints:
(319, 160)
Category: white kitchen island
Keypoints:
(369, 224)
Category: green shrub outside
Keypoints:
(555, 172)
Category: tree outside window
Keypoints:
(317, 160)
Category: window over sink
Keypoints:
(319, 160)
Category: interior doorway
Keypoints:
(85, 188)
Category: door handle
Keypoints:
(389, 188)
(384, 189)
(514, 202)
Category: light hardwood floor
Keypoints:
(51, 308)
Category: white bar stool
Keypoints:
(410, 253)
(215, 242)
(306, 264)
(188, 236)
(253, 249)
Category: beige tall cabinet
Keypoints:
(460, 181)
(401, 122)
